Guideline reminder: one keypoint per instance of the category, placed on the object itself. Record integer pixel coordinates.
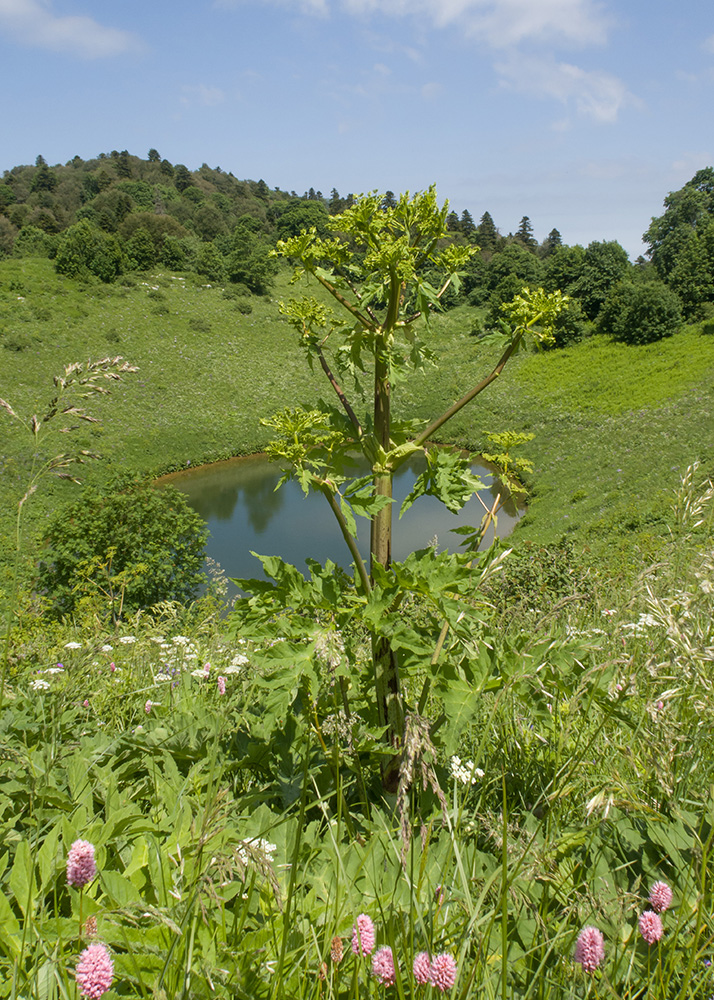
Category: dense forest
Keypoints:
(119, 213)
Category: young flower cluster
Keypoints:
(95, 969)
(650, 922)
(439, 972)
(81, 866)
(590, 946)
(94, 972)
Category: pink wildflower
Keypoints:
(206, 669)
(589, 948)
(651, 927)
(363, 935)
(443, 972)
(95, 971)
(85, 703)
(660, 897)
(112, 667)
(383, 966)
(81, 866)
(422, 968)
(148, 706)
(221, 682)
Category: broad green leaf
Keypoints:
(22, 879)
(9, 929)
(448, 477)
(119, 889)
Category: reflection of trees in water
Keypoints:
(263, 501)
(216, 494)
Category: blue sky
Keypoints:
(580, 114)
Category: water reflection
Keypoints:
(244, 512)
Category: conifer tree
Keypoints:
(524, 234)
(487, 236)
(467, 225)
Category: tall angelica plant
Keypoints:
(385, 271)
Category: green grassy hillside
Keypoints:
(614, 425)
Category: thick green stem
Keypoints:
(386, 672)
(448, 414)
(349, 539)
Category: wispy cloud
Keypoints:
(592, 93)
(513, 30)
(34, 23)
(500, 23)
(201, 94)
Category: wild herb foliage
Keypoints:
(552, 773)
(234, 851)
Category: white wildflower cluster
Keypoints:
(127, 640)
(465, 774)
(73, 645)
(641, 626)
(236, 665)
(247, 850)
(330, 648)
(39, 685)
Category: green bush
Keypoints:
(129, 547)
(641, 313)
(85, 250)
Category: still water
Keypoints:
(245, 513)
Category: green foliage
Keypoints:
(140, 251)
(604, 265)
(34, 242)
(249, 260)
(209, 263)
(641, 313)
(85, 250)
(124, 548)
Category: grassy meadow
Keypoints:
(224, 769)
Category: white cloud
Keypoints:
(33, 22)
(594, 94)
(207, 97)
(432, 91)
(507, 27)
(500, 23)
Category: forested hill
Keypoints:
(118, 213)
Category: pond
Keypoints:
(245, 513)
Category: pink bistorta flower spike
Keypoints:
(589, 948)
(660, 897)
(383, 966)
(443, 972)
(95, 971)
(422, 968)
(363, 935)
(81, 866)
(221, 682)
(651, 927)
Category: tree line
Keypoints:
(116, 213)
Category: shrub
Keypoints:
(132, 547)
(85, 250)
(640, 313)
